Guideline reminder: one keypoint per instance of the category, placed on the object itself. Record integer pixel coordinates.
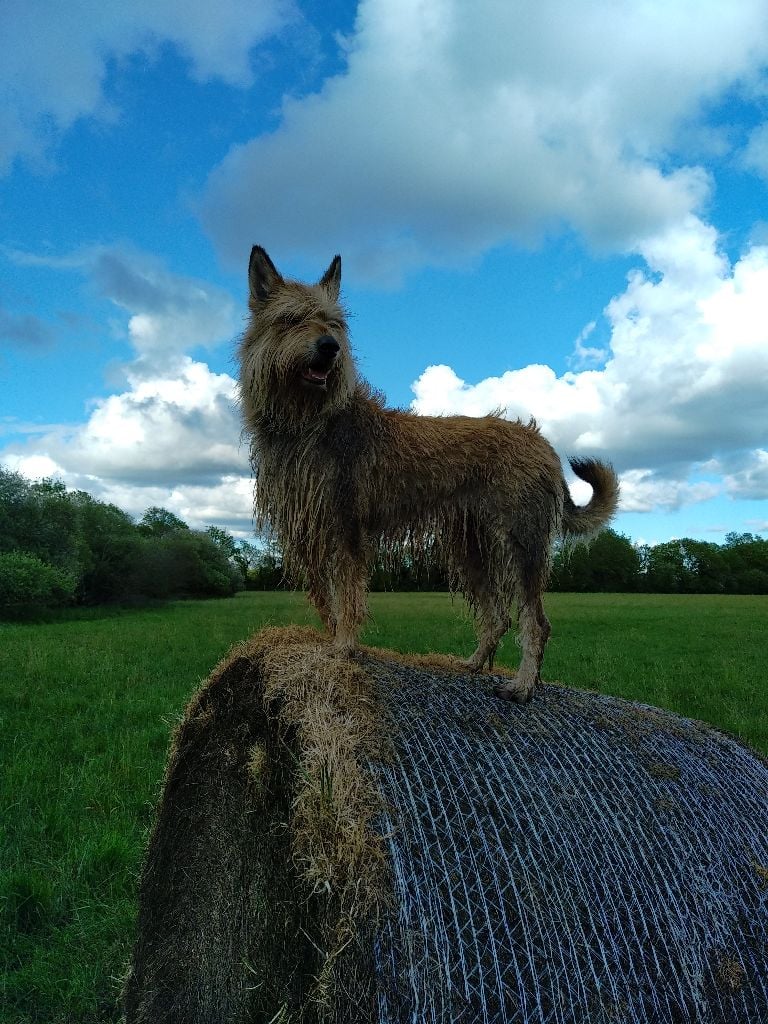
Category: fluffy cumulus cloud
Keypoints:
(679, 404)
(458, 126)
(172, 436)
(53, 57)
(170, 430)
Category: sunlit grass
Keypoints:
(87, 703)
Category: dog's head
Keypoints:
(295, 357)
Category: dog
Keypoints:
(342, 479)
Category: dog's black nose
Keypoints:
(327, 346)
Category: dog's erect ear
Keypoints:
(263, 276)
(331, 279)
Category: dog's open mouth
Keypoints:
(317, 378)
(315, 373)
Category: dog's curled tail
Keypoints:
(583, 521)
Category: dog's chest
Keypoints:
(335, 458)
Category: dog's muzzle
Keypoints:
(321, 363)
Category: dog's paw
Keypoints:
(515, 691)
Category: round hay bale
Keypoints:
(384, 840)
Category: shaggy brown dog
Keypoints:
(340, 478)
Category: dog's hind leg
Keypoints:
(486, 598)
(531, 575)
(493, 621)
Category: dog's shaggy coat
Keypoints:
(340, 478)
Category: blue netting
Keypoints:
(580, 860)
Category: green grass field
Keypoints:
(88, 702)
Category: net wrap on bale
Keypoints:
(386, 841)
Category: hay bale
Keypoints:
(386, 841)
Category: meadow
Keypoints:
(88, 699)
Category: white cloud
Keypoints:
(456, 127)
(684, 387)
(170, 441)
(35, 467)
(750, 478)
(173, 436)
(53, 56)
(179, 429)
(643, 490)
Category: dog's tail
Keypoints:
(583, 521)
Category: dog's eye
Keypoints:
(334, 325)
(288, 320)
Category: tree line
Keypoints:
(686, 566)
(609, 563)
(61, 547)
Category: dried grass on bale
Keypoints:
(385, 841)
(263, 860)
(328, 702)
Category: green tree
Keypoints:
(610, 563)
(665, 571)
(224, 539)
(39, 519)
(746, 558)
(245, 557)
(265, 571)
(235, 554)
(706, 568)
(19, 517)
(570, 569)
(59, 537)
(111, 551)
(186, 563)
(159, 522)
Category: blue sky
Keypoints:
(556, 208)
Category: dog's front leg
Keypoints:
(320, 596)
(350, 585)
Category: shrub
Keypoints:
(26, 580)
